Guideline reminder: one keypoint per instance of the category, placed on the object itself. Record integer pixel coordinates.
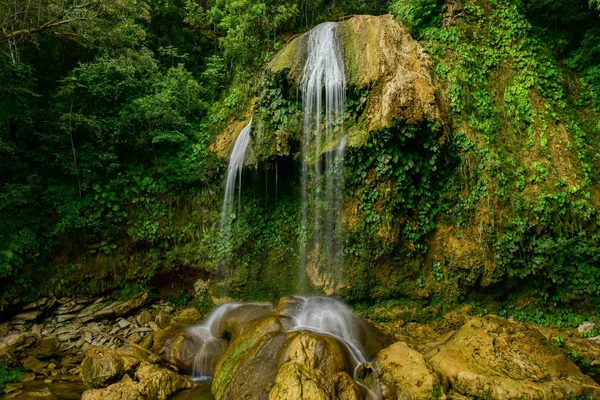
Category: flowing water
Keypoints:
(234, 174)
(323, 89)
(213, 346)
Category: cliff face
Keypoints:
(382, 57)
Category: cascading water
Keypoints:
(212, 345)
(234, 173)
(323, 81)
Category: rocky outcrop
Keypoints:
(101, 367)
(150, 382)
(313, 366)
(379, 55)
(405, 374)
(493, 358)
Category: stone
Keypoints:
(313, 366)
(134, 338)
(33, 364)
(187, 317)
(162, 319)
(123, 323)
(147, 342)
(114, 310)
(45, 392)
(144, 318)
(236, 320)
(47, 347)
(101, 367)
(12, 387)
(153, 326)
(27, 316)
(586, 327)
(493, 358)
(27, 377)
(150, 382)
(404, 373)
(178, 346)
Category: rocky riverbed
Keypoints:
(142, 349)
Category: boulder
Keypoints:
(404, 374)
(236, 320)
(144, 318)
(150, 382)
(100, 311)
(47, 347)
(313, 366)
(178, 346)
(33, 364)
(493, 358)
(162, 319)
(100, 367)
(187, 317)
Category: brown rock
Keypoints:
(162, 319)
(187, 317)
(101, 367)
(403, 373)
(144, 318)
(151, 382)
(497, 359)
(47, 347)
(33, 364)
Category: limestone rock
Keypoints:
(99, 311)
(404, 374)
(151, 383)
(33, 364)
(187, 317)
(236, 320)
(313, 366)
(496, 359)
(586, 327)
(101, 367)
(144, 318)
(379, 53)
(47, 347)
(177, 346)
(162, 319)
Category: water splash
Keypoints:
(323, 150)
(234, 173)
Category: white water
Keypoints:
(323, 94)
(234, 174)
(212, 348)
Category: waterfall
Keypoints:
(323, 151)
(234, 173)
(212, 345)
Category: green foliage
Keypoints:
(8, 376)
(418, 15)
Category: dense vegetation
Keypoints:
(108, 110)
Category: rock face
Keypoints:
(493, 358)
(380, 54)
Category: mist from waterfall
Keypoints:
(234, 174)
(323, 89)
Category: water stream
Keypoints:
(234, 174)
(323, 89)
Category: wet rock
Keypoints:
(497, 359)
(310, 365)
(101, 367)
(45, 392)
(236, 320)
(27, 377)
(177, 346)
(405, 374)
(33, 364)
(13, 387)
(235, 356)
